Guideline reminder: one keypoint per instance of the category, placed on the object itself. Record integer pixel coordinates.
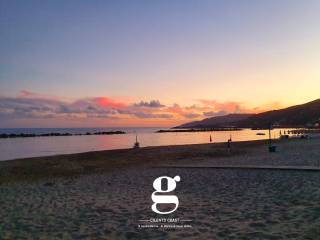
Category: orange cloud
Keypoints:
(229, 106)
(269, 106)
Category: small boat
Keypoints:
(261, 134)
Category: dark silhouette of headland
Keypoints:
(299, 116)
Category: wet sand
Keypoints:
(103, 195)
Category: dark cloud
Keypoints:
(44, 108)
(214, 114)
(191, 115)
(152, 115)
(151, 104)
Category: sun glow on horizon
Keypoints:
(171, 62)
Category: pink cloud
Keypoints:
(109, 103)
(30, 105)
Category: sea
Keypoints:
(14, 148)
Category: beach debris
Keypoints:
(48, 184)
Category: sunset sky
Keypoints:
(154, 63)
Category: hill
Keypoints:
(304, 115)
(216, 122)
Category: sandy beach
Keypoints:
(104, 195)
(159, 120)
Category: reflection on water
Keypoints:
(42, 146)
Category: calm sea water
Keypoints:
(44, 146)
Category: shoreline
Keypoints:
(101, 161)
(36, 168)
(28, 147)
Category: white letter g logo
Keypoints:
(164, 199)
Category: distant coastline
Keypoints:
(57, 134)
(198, 130)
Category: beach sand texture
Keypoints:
(222, 203)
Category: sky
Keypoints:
(153, 63)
